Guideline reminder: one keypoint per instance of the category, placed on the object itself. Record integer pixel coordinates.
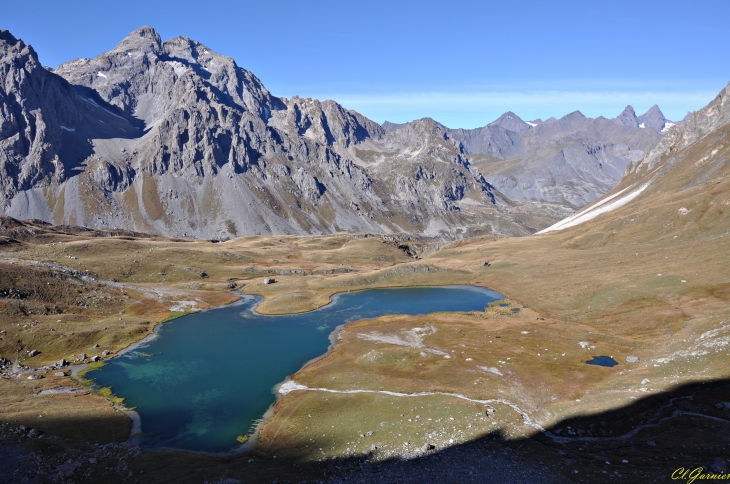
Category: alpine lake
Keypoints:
(205, 381)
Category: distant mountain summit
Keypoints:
(679, 187)
(628, 117)
(510, 121)
(653, 118)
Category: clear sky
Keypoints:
(462, 63)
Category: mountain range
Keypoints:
(174, 139)
(680, 182)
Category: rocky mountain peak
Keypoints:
(510, 121)
(144, 39)
(702, 122)
(30, 121)
(13, 47)
(653, 118)
(627, 117)
(8, 41)
(390, 127)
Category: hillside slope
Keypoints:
(684, 176)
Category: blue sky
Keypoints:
(462, 63)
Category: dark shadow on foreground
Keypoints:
(642, 442)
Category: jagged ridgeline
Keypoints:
(174, 139)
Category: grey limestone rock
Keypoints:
(628, 117)
(653, 118)
(702, 123)
(511, 122)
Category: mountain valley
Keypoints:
(160, 179)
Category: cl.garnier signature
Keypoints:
(698, 473)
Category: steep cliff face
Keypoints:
(172, 138)
(31, 120)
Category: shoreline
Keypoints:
(335, 294)
(133, 415)
(252, 442)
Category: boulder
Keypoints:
(59, 373)
(269, 280)
(426, 447)
(632, 359)
(34, 353)
(95, 358)
(35, 377)
(61, 363)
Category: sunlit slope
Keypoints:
(680, 185)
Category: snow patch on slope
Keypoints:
(92, 102)
(596, 210)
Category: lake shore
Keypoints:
(484, 295)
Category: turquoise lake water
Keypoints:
(209, 377)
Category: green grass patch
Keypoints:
(176, 314)
(495, 304)
(106, 392)
(92, 366)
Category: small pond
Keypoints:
(209, 377)
(603, 361)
